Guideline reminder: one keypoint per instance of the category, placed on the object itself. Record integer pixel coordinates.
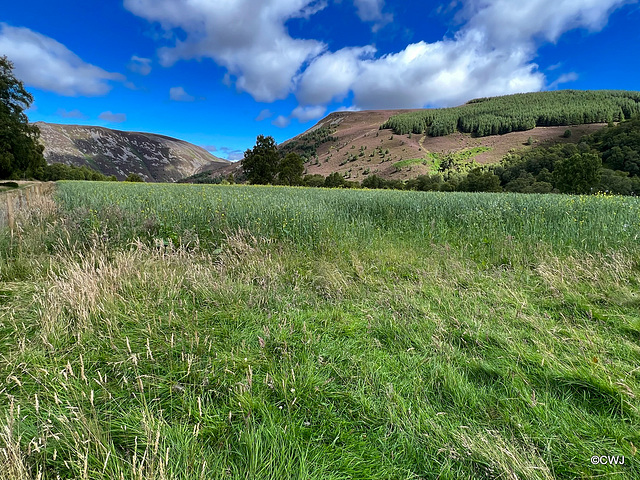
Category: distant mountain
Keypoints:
(156, 158)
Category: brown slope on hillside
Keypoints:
(156, 158)
(354, 133)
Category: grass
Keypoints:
(177, 331)
(434, 159)
(409, 162)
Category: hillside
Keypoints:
(155, 158)
(404, 144)
(353, 144)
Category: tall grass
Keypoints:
(189, 332)
(307, 217)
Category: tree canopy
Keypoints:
(523, 111)
(260, 164)
(20, 153)
(264, 165)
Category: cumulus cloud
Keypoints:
(113, 117)
(505, 23)
(444, 73)
(140, 65)
(492, 53)
(70, 114)
(44, 63)
(331, 76)
(247, 37)
(304, 114)
(178, 94)
(281, 121)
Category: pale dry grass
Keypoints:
(12, 464)
(502, 458)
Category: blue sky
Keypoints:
(218, 73)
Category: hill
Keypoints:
(353, 144)
(156, 158)
(520, 112)
(404, 144)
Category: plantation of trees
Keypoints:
(511, 113)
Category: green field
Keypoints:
(188, 331)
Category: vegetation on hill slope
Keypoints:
(189, 332)
(156, 158)
(607, 161)
(307, 144)
(499, 115)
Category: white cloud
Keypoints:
(505, 22)
(281, 121)
(264, 114)
(352, 108)
(304, 114)
(113, 117)
(70, 114)
(46, 64)
(178, 94)
(140, 65)
(371, 11)
(444, 73)
(231, 154)
(331, 76)
(248, 37)
(492, 53)
(564, 78)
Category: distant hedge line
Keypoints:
(499, 115)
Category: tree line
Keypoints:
(520, 112)
(606, 161)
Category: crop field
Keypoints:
(200, 331)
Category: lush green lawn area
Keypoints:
(179, 331)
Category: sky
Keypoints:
(218, 73)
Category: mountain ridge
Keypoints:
(156, 158)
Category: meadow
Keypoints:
(202, 331)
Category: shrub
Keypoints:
(133, 177)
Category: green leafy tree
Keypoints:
(20, 152)
(578, 173)
(133, 177)
(314, 180)
(290, 169)
(480, 181)
(374, 181)
(334, 180)
(261, 163)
